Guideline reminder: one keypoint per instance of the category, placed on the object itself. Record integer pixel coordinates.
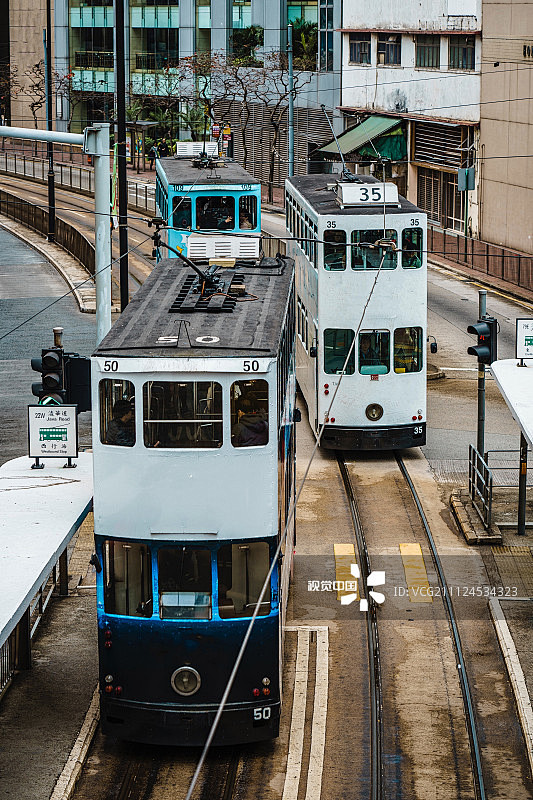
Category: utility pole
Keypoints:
(120, 68)
(290, 56)
(49, 113)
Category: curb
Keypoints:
(473, 531)
(516, 674)
(66, 782)
(81, 284)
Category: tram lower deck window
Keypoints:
(127, 579)
(117, 412)
(370, 248)
(337, 344)
(184, 414)
(374, 352)
(184, 578)
(242, 569)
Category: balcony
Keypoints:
(93, 60)
(155, 84)
(152, 61)
(89, 80)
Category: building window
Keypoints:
(439, 198)
(428, 52)
(359, 48)
(325, 35)
(389, 48)
(462, 52)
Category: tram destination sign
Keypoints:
(524, 338)
(52, 431)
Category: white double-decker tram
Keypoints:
(194, 454)
(361, 273)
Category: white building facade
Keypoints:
(419, 62)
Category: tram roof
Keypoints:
(314, 189)
(253, 326)
(182, 171)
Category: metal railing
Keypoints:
(7, 662)
(480, 482)
(93, 59)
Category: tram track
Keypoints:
(382, 714)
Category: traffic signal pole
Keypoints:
(481, 384)
(95, 142)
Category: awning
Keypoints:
(354, 138)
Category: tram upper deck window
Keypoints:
(182, 213)
(374, 352)
(242, 569)
(412, 248)
(408, 349)
(337, 344)
(369, 247)
(249, 413)
(117, 412)
(127, 579)
(247, 212)
(334, 250)
(215, 213)
(184, 578)
(180, 415)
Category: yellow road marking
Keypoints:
(344, 558)
(415, 573)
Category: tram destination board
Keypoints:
(52, 431)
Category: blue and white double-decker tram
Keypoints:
(194, 451)
(348, 236)
(203, 198)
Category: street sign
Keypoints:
(524, 338)
(466, 179)
(52, 431)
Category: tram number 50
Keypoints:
(262, 713)
(251, 366)
(110, 366)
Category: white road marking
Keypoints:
(320, 709)
(296, 739)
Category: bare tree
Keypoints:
(9, 88)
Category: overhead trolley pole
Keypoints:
(95, 142)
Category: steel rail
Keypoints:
(475, 752)
(374, 659)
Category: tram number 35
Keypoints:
(261, 714)
(250, 366)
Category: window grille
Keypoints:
(428, 51)
(360, 48)
(389, 48)
(462, 52)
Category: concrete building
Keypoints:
(507, 126)
(414, 67)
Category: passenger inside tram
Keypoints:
(252, 427)
(215, 213)
(121, 428)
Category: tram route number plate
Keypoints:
(261, 716)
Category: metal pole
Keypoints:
(121, 152)
(102, 211)
(522, 486)
(466, 214)
(49, 112)
(290, 54)
(481, 384)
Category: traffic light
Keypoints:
(51, 389)
(486, 331)
(78, 381)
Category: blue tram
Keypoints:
(202, 199)
(194, 459)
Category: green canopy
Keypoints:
(384, 131)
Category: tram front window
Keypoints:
(337, 344)
(179, 415)
(127, 579)
(334, 250)
(184, 577)
(374, 355)
(215, 213)
(407, 349)
(242, 569)
(412, 248)
(370, 248)
(117, 412)
(182, 213)
(247, 212)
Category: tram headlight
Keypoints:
(374, 412)
(185, 681)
